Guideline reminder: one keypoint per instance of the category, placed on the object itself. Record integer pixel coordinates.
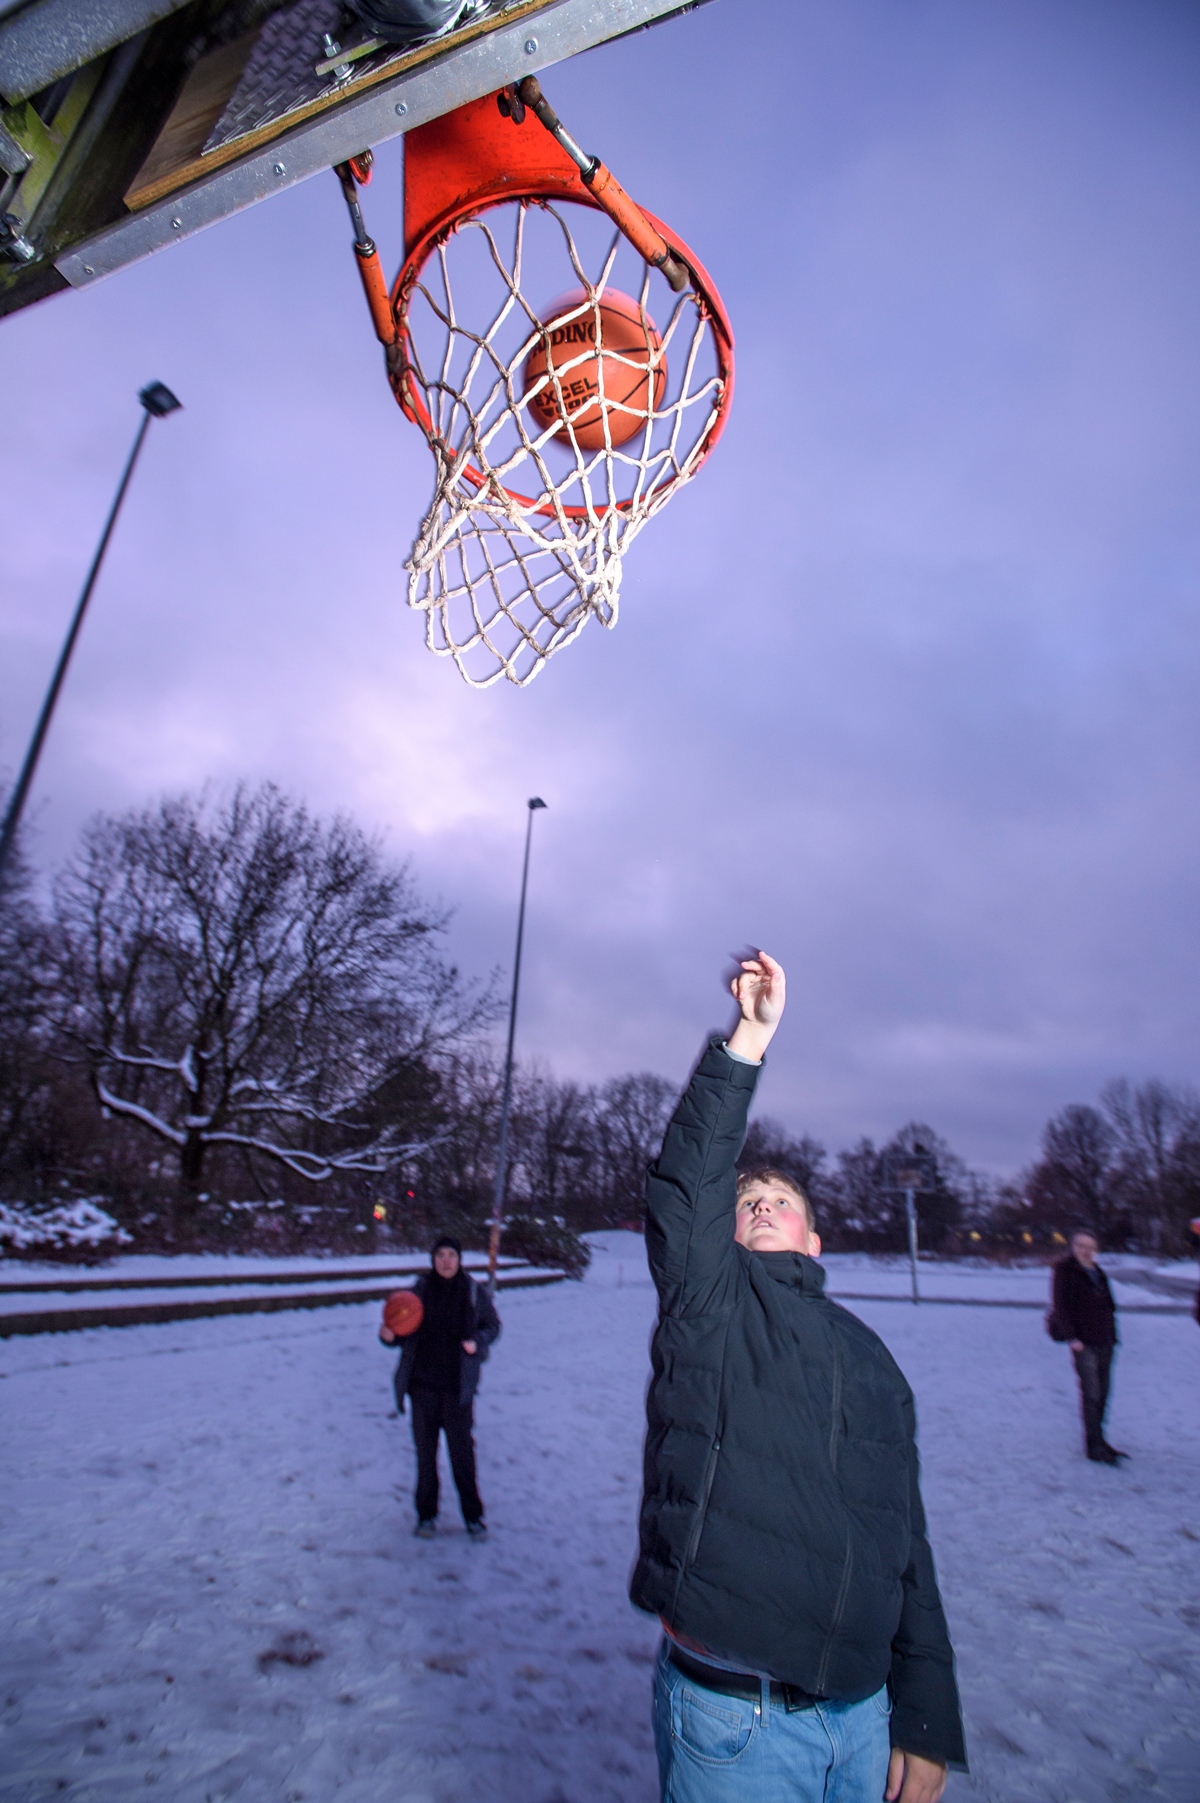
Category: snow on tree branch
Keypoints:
(240, 974)
(133, 1112)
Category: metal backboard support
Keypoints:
(155, 145)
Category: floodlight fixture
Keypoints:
(157, 399)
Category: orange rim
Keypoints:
(414, 408)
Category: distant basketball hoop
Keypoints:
(559, 424)
(910, 1173)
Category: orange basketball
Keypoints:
(628, 348)
(403, 1312)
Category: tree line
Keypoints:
(236, 1024)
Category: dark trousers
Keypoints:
(1092, 1367)
(437, 1412)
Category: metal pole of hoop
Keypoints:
(910, 1213)
(157, 401)
(912, 1174)
(496, 1224)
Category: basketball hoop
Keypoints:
(559, 423)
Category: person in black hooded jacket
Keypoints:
(439, 1372)
(782, 1535)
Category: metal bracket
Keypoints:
(13, 242)
(14, 158)
(387, 111)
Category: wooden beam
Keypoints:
(197, 110)
(175, 160)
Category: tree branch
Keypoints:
(131, 1111)
(111, 1056)
(374, 1161)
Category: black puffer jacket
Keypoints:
(485, 1333)
(1083, 1305)
(781, 1529)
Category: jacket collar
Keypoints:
(795, 1269)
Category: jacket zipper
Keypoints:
(835, 1416)
(839, 1608)
(838, 1612)
(710, 1472)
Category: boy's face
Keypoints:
(445, 1261)
(772, 1218)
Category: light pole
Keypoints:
(912, 1173)
(157, 401)
(497, 1220)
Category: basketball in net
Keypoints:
(403, 1313)
(558, 429)
(599, 363)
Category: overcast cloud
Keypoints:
(904, 685)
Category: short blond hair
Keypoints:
(767, 1173)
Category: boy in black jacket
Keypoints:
(439, 1372)
(782, 1534)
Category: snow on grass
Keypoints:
(211, 1590)
(67, 1226)
(211, 1267)
(1137, 1282)
(67, 1302)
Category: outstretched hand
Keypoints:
(759, 991)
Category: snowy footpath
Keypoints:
(210, 1588)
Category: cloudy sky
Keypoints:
(904, 685)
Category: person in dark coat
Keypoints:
(1086, 1317)
(439, 1372)
(782, 1535)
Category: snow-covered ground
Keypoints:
(91, 1293)
(1136, 1282)
(214, 1267)
(26, 1287)
(211, 1591)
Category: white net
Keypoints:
(523, 540)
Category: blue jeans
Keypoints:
(714, 1748)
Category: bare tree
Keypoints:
(939, 1209)
(554, 1145)
(236, 973)
(874, 1215)
(1156, 1133)
(455, 1173)
(865, 1211)
(630, 1118)
(1073, 1182)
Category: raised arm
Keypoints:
(691, 1189)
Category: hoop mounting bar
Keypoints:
(354, 173)
(607, 190)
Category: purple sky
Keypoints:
(904, 686)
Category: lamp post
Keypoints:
(157, 401)
(912, 1174)
(497, 1221)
